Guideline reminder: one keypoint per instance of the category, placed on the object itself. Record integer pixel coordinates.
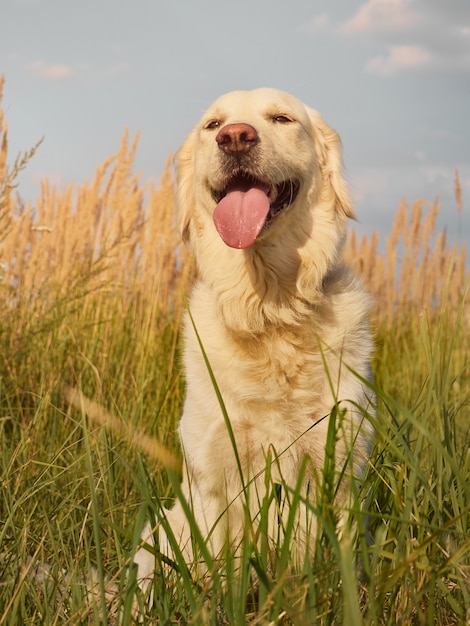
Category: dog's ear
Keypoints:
(185, 186)
(330, 155)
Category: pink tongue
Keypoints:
(240, 216)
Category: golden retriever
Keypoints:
(282, 323)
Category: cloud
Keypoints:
(86, 73)
(418, 35)
(399, 58)
(118, 69)
(318, 23)
(368, 183)
(376, 195)
(378, 16)
(51, 72)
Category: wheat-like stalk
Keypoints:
(417, 268)
(114, 235)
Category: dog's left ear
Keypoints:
(185, 186)
(329, 152)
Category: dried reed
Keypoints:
(115, 235)
(418, 270)
(112, 235)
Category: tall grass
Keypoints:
(418, 268)
(92, 280)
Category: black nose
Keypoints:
(237, 138)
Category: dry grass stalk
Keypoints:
(3, 135)
(115, 235)
(458, 191)
(417, 270)
(98, 415)
(111, 235)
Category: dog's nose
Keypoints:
(237, 138)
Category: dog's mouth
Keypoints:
(247, 206)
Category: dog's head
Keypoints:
(254, 157)
(262, 201)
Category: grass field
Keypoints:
(92, 284)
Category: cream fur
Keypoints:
(283, 323)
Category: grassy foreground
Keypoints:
(91, 293)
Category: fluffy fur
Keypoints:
(283, 324)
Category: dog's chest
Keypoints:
(277, 372)
(284, 359)
(273, 390)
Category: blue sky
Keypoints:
(392, 76)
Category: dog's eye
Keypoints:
(212, 124)
(282, 119)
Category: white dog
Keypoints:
(283, 324)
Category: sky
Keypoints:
(391, 76)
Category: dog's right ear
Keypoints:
(330, 156)
(185, 199)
